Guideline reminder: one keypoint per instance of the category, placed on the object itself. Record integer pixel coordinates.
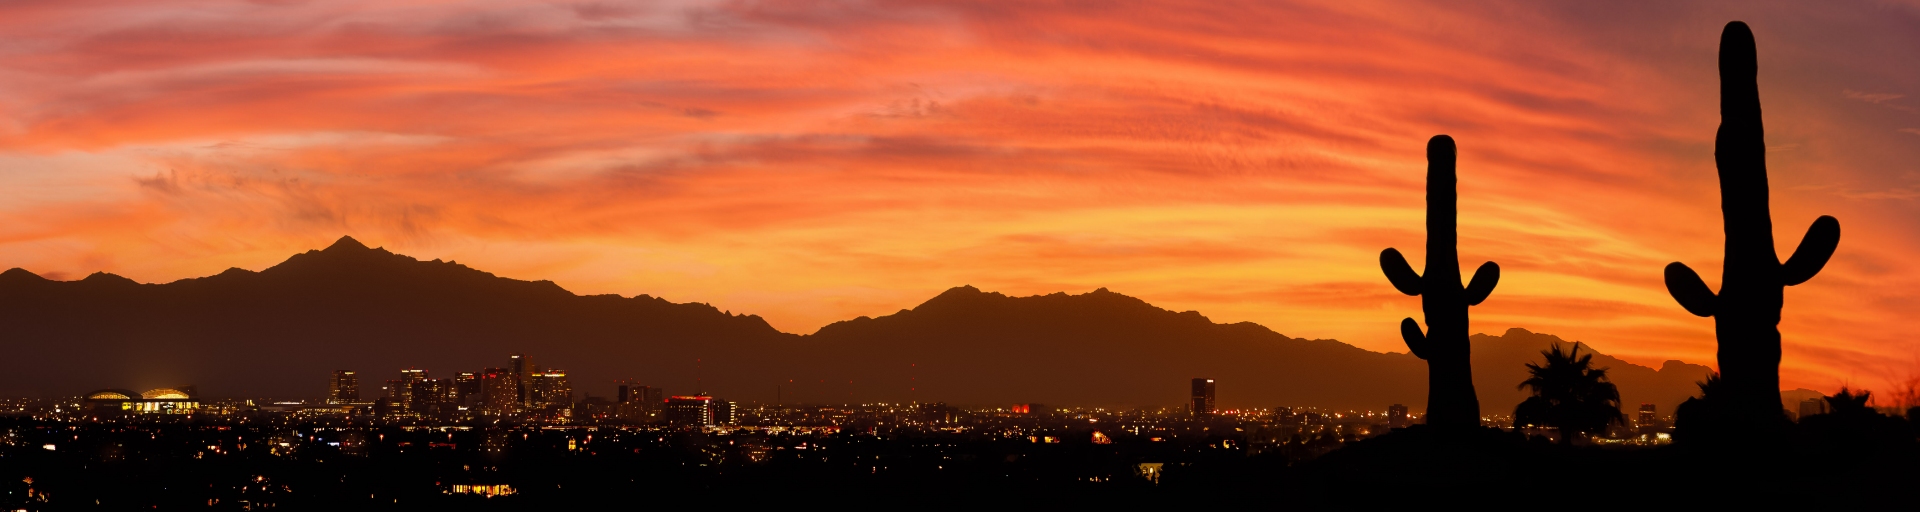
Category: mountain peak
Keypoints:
(18, 275)
(345, 244)
(103, 278)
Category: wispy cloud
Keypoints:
(1871, 97)
(817, 161)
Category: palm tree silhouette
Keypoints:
(1569, 394)
(1849, 403)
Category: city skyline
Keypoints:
(370, 306)
(926, 252)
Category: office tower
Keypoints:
(1397, 416)
(1646, 417)
(466, 386)
(344, 388)
(689, 410)
(1203, 398)
(722, 412)
(549, 390)
(431, 396)
(518, 364)
(404, 399)
(636, 402)
(1812, 406)
(499, 394)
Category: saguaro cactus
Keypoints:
(1746, 312)
(1450, 398)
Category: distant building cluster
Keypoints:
(522, 390)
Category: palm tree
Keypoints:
(1569, 394)
(1849, 403)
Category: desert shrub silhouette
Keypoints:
(1746, 311)
(1853, 428)
(1698, 413)
(1569, 394)
(1450, 398)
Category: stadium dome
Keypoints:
(164, 394)
(112, 394)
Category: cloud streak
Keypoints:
(812, 162)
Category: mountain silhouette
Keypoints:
(280, 331)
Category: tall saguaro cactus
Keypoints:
(1450, 398)
(1746, 312)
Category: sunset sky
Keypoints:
(816, 161)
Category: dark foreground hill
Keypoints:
(278, 332)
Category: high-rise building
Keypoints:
(499, 394)
(689, 410)
(549, 390)
(723, 412)
(636, 402)
(344, 388)
(433, 396)
(519, 365)
(404, 398)
(1646, 417)
(466, 386)
(1812, 406)
(1202, 403)
(1397, 416)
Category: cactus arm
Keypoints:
(1813, 252)
(1416, 342)
(1693, 294)
(1484, 279)
(1399, 272)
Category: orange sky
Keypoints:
(816, 161)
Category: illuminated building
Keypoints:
(632, 394)
(549, 390)
(722, 412)
(466, 386)
(1029, 409)
(402, 394)
(1202, 403)
(1397, 416)
(483, 490)
(1646, 416)
(689, 410)
(637, 403)
(499, 392)
(344, 388)
(517, 364)
(432, 396)
(390, 395)
(155, 401)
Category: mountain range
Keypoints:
(279, 332)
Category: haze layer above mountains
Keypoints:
(281, 331)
